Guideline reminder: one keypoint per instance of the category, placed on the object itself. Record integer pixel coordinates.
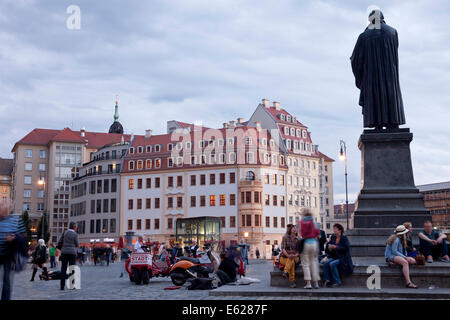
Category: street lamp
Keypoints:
(41, 182)
(343, 156)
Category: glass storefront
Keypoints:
(200, 229)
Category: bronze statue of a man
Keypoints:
(375, 67)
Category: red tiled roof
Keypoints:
(6, 166)
(43, 137)
(67, 135)
(274, 112)
(325, 157)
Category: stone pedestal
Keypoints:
(388, 195)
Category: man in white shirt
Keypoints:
(138, 245)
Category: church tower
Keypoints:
(116, 127)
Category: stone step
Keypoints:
(436, 274)
(333, 293)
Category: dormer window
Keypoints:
(304, 133)
(149, 149)
(288, 118)
(131, 165)
(131, 150)
(299, 133)
(158, 163)
(286, 130)
(157, 148)
(282, 117)
(140, 165)
(179, 146)
(170, 162)
(140, 149)
(169, 147)
(292, 132)
(148, 164)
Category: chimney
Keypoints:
(232, 124)
(258, 126)
(225, 125)
(240, 120)
(266, 103)
(276, 105)
(148, 133)
(83, 132)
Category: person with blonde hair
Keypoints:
(395, 253)
(410, 250)
(39, 259)
(309, 232)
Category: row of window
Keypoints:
(179, 181)
(247, 220)
(177, 202)
(97, 186)
(202, 160)
(255, 220)
(255, 197)
(27, 193)
(27, 206)
(29, 153)
(294, 132)
(29, 166)
(148, 224)
(98, 226)
(202, 144)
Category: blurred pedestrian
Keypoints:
(39, 259)
(12, 239)
(309, 233)
(68, 244)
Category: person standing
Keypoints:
(52, 252)
(194, 249)
(68, 244)
(39, 259)
(257, 254)
(108, 254)
(12, 238)
(310, 263)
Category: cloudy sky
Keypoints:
(214, 60)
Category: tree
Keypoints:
(43, 221)
(26, 222)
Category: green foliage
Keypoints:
(26, 222)
(43, 221)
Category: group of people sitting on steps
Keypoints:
(401, 251)
(308, 244)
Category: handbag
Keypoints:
(20, 262)
(60, 242)
(300, 245)
(420, 259)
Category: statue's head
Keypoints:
(374, 14)
(375, 17)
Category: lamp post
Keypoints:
(41, 182)
(343, 156)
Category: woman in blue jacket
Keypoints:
(396, 253)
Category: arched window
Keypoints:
(250, 175)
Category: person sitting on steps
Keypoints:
(395, 253)
(289, 255)
(339, 259)
(433, 244)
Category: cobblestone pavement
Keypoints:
(104, 282)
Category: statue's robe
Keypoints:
(375, 67)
